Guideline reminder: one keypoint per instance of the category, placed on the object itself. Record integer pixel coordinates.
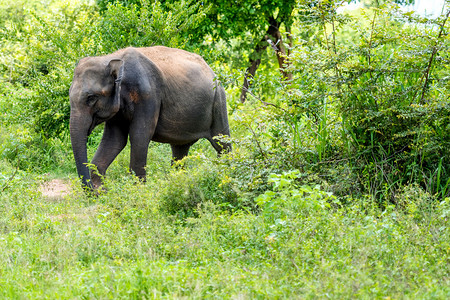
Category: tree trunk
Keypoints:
(273, 32)
(255, 60)
(279, 48)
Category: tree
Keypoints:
(262, 19)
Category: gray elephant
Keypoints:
(157, 93)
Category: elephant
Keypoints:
(157, 93)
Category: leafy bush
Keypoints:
(186, 189)
(288, 196)
(147, 24)
(369, 97)
(56, 40)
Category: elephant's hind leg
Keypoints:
(220, 146)
(180, 151)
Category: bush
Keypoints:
(188, 188)
(369, 96)
(145, 23)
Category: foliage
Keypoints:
(184, 190)
(287, 195)
(103, 4)
(50, 43)
(223, 20)
(123, 244)
(367, 96)
(378, 3)
(227, 21)
(147, 23)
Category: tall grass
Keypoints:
(134, 242)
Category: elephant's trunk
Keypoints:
(80, 125)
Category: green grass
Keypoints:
(229, 228)
(135, 241)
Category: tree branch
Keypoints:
(255, 61)
(435, 49)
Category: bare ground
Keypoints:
(55, 189)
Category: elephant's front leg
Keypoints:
(138, 157)
(113, 141)
(140, 135)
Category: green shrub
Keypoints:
(147, 24)
(287, 195)
(187, 188)
(369, 96)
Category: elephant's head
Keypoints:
(94, 98)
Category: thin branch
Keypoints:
(435, 49)
(370, 43)
(263, 153)
(264, 102)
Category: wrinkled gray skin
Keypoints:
(162, 94)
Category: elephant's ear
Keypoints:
(115, 68)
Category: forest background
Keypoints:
(338, 184)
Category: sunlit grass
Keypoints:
(126, 243)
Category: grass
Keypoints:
(217, 228)
(126, 243)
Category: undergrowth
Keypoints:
(180, 236)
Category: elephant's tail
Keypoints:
(220, 126)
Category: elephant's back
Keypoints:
(173, 61)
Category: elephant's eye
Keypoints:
(91, 99)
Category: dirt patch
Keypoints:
(55, 189)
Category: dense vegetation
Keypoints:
(338, 184)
